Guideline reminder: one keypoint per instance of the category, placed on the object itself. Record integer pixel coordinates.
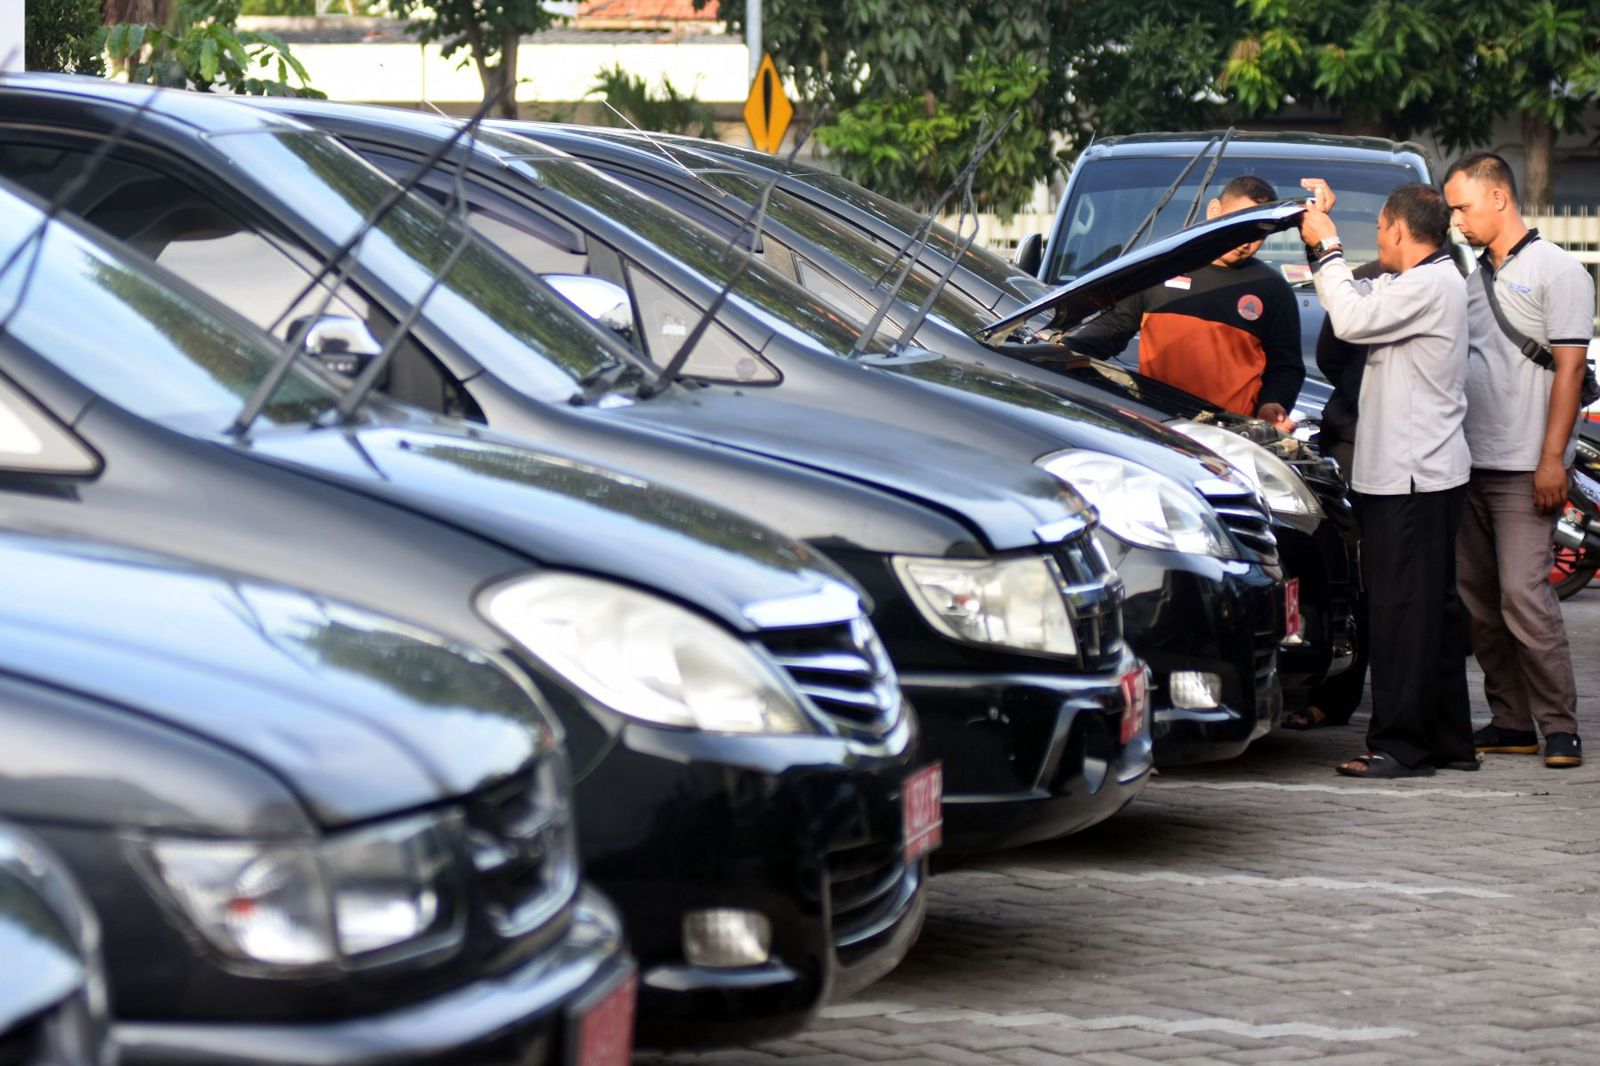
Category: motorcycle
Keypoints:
(1577, 537)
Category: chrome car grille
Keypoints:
(1093, 592)
(866, 887)
(844, 670)
(520, 837)
(1246, 518)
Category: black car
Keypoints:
(1216, 687)
(52, 980)
(839, 241)
(308, 832)
(741, 754)
(999, 612)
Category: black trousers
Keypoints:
(1420, 710)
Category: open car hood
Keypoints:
(1152, 264)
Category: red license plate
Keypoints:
(605, 1030)
(922, 810)
(1135, 703)
(1291, 608)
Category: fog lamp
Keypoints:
(726, 939)
(1195, 690)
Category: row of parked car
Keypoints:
(479, 593)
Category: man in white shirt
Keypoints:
(1522, 410)
(1409, 474)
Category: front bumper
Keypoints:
(1028, 756)
(1217, 616)
(524, 1016)
(805, 830)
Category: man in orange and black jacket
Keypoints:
(1229, 332)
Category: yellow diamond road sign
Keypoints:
(767, 111)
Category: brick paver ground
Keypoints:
(1265, 910)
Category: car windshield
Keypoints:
(703, 252)
(481, 305)
(138, 336)
(1111, 196)
(862, 255)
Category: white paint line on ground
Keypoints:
(910, 1015)
(1353, 790)
(1172, 877)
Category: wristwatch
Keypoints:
(1323, 247)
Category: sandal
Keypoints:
(1378, 764)
(1310, 718)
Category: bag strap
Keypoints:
(1537, 353)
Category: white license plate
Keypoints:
(922, 811)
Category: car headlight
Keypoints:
(1287, 492)
(645, 657)
(1015, 603)
(1141, 506)
(312, 904)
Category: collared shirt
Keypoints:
(1413, 401)
(1549, 296)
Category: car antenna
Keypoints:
(1165, 197)
(913, 250)
(35, 237)
(1211, 170)
(968, 207)
(755, 221)
(653, 143)
(289, 353)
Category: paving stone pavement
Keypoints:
(1265, 910)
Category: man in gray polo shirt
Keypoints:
(1409, 474)
(1521, 427)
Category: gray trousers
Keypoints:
(1503, 557)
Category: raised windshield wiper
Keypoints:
(35, 237)
(1210, 171)
(338, 261)
(912, 252)
(1165, 197)
(755, 222)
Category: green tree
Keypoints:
(902, 83)
(62, 35)
(667, 112)
(200, 47)
(489, 31)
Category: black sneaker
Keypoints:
(1562, 750)
(1493, 739)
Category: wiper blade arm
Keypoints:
(338, 261)
(1211, 170)
(1166, 197)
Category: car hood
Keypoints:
(359, 715)
(566, 513)
(1006, 502)
(1152, 264)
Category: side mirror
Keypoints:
(605, 302)
(340, 343)
(1029, 254)
(33, 442)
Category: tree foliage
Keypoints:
(63, 36)
(487, 30)
(200, 47)
(668, 111)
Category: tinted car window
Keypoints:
(1110, 197)
(126, 333)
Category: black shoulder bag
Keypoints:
(1537, 353)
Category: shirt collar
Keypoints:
(1528, 238)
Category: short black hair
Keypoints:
(1423, 210)
(1249, 187)
(1485, 166)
